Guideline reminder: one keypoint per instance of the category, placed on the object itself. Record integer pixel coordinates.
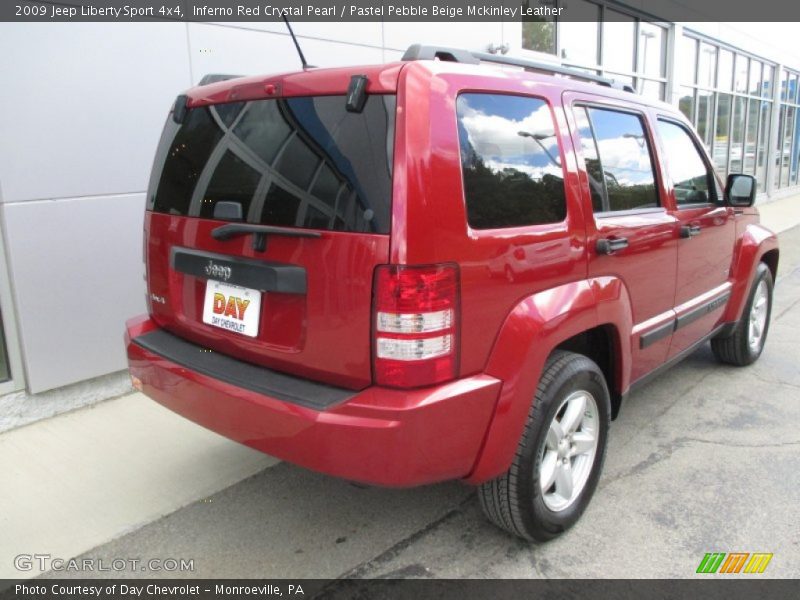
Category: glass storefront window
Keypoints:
(652, 50)
(686, 102)
(705, 107)
(579, 37)
(688, 57)
(651, 89)
(763, 155)
(539, 36)
(786, 154)
(741, 81)
(755, 78)
(719, 152)
(706, 65)
(766, 83)
(618, 38)
(725, 77)
(751, 138)
(736, 163)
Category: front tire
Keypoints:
(745, 344)
(560, 455)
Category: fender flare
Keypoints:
(531, 331)
(751, 246)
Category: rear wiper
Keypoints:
(260, 232)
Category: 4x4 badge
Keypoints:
(218, 271)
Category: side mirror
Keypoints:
(741, 190)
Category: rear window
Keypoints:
(510, 160)
(296, 162)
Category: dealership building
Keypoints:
(84, 105)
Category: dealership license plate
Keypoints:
(232, 307)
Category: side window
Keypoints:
(511, 161)
(692, 180)
(618, 159)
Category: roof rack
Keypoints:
(422, 52)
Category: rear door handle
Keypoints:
(611, 245)
(689, 231)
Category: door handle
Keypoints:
(611, 245)
(689, 231)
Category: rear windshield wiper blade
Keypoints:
(260, 232)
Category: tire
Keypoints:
(515, 501)
(739, 348)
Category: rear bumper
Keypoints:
(396, 438)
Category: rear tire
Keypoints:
(560, 455)
(745, 344)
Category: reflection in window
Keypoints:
(233, 181)
(510, 160)
(301, 162)
(691, 179)
(594, 170)
(263, 129)
(280, 207)
(624, 151)
(187, 156)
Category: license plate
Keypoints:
(232, 307)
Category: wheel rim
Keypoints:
(758, 317)
(567, 455)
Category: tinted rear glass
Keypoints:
(297, 162)
(510, 160)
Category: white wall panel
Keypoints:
(472, 36)
(76, 267)
(352, 32)
(87, 107)
(221, 49)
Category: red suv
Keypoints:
(439, 269)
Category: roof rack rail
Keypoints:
(422, 52)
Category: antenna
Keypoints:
(296, 45)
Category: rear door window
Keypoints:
(296, 162)
(510, 160)
(618, 159)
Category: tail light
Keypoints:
(415, 326)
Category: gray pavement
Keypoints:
(704, 459)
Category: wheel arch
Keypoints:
(577, 314)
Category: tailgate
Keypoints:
(265, 222)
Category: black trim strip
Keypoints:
(701, 311)
(654, 335)
(723, 329)
(241, 374)
(255, 274)
(662, 331)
